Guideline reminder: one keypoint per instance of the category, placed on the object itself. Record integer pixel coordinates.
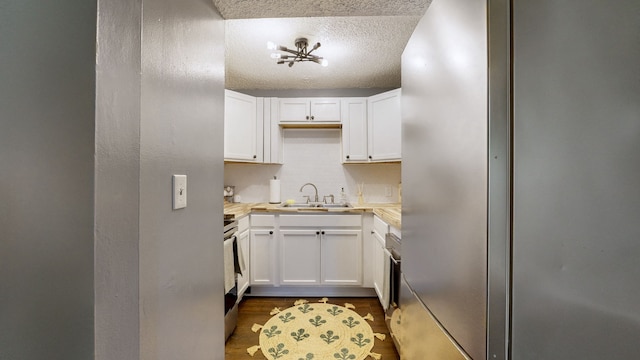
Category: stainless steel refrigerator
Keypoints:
(521, 181)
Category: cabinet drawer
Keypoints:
(395, 231)
(243, 224)
(380, 226)
(326, 220)
(263, 220)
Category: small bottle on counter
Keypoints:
(343, 197)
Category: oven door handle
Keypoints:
(388, 253)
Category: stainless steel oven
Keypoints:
(393, 244)
(231, 288)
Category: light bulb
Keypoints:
(271, 45)
(275, 56)
(324, 63)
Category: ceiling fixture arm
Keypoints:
(315, 47)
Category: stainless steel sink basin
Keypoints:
(336, 205)
(316, 205)
(303, 205)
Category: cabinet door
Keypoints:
(325, 110)
(243, 131)
(299, 257)
(263, 250)
(385, 126)
(354, 130)
(272, 132)
(381, 270)
(243, 245)
(341, 259)
(294, 110)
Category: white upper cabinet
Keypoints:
(309, 110)
(371, 128)
(272, 132)
(354, 130)
(243, 128)
(384, 127)
(251, 131)
(325, 110)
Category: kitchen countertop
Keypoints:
(391, 213)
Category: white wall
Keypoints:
(313, 155)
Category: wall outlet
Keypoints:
(179, 191)
(388, 192)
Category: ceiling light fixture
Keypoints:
(298, 55)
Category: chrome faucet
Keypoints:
(316, 197)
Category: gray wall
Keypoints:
(576, 174)
(47, 57)
(181, 127)
(145, 111)
(117, 177)
(444, 168)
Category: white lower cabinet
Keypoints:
(263, 250)
(243, 245)
(320, 250)
(306, 250)
(381, 262)
(300, 257)
(341, 257)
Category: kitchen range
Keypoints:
(230, 276)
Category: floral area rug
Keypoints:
(316, 331)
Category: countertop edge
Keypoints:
(388, 212)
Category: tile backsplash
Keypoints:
(313, 155)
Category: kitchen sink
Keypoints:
(303, 205)
(336, 205)
(316, 205)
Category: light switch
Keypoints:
(179, 191)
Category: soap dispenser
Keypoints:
(343, 197)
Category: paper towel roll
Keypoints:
(274, 191)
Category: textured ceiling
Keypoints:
(249, 9)
(363, 41)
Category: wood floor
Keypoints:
(254, 310)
